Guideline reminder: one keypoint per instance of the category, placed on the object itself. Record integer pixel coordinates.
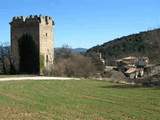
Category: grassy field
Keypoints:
(77, 100)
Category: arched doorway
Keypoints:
(28, 55)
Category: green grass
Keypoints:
(77, 100)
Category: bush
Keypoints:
(75, 66)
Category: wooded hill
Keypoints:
(141, 44)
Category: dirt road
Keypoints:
(35, 78)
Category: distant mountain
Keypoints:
(79, 50)
(141, 44)
(65, 52)
(74, 50)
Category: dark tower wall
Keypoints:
(28, 55)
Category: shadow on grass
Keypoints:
(124, 86)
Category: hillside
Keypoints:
(141, 44)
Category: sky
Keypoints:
(85, 23)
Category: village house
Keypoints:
(125, 63)
(132, 67)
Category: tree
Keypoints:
(5, 58)
(75, 66)
(64, 52)
(94, 56)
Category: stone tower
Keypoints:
(32, 43)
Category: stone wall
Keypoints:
(152, 70)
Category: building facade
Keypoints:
(32, 43)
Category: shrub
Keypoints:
(74, 66)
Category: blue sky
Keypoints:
(85, 23)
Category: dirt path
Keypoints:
(36, 78)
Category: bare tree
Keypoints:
(5, 59)
(64, 52)
(4, 55)
(75, 66)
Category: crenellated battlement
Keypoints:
(32, 18)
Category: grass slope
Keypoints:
(77, 100)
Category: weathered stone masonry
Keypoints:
(40, 30)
